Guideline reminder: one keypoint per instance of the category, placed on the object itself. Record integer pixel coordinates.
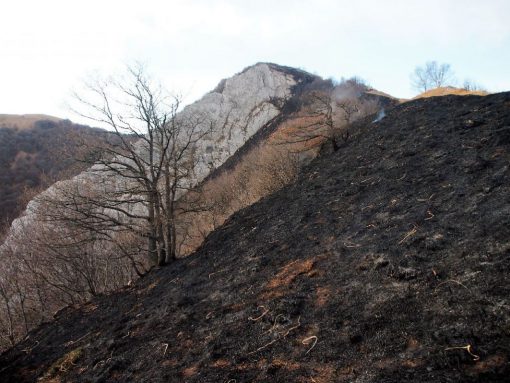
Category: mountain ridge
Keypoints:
(384, 262)
(24, 121)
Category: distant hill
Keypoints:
(448, 90)
(24, 121)
(386, 261)
(35, 151)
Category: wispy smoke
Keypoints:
(380, 116)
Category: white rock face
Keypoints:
(239, 107)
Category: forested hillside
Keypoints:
(38, 151)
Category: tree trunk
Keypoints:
(152, 249)
(170, 192)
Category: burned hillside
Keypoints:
(387, 261)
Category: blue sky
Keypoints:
(48, 47)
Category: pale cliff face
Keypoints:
(238, 107)
(243, 104)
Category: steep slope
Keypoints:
(386, 262)
(32, 289)
(272, 157)
(237, 114)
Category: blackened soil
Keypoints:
(388, 261)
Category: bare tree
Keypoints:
(432, 75)
(328, 110)
(471, 85)
(141, 179)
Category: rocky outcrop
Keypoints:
(238, 107)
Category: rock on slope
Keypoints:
(387, 261)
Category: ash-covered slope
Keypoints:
(387, 261)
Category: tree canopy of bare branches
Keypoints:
(108, 225)
(432, 75)
(141, 179)
(327, 111)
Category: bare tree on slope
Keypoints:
(140, 180)
(432, 75)
(327, 110)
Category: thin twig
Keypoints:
(294, 327)
(467, 348)
(260, 316)
(425, 199)
(216, 272)
(280, 335)
(409, 234)
(264, 346)
(275, 323)
(452, 281)
(28, 350)
(308, 340)
(77, 340)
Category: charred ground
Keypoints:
(387, 261)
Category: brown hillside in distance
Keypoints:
(24, 121)
(445, 91)
(387, 261)
(36, 151)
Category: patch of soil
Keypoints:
(390, 259)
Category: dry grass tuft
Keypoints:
(190, 371)
(62, 365)
(289, 272)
